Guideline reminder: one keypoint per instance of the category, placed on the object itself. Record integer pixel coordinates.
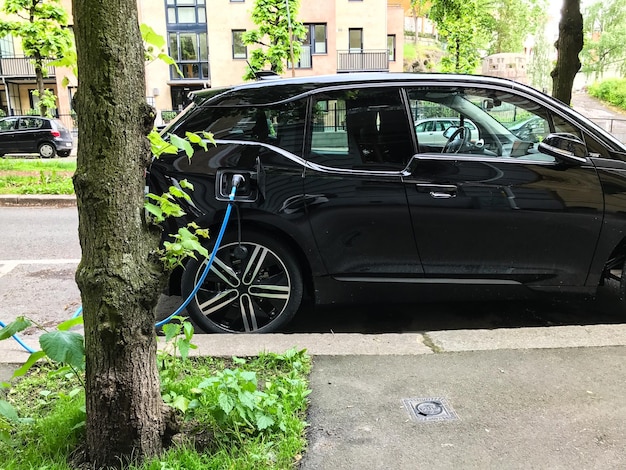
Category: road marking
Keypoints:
(6, 266)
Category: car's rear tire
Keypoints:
(63, 154)
(47, 150)
(254, 286)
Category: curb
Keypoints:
(38, 200)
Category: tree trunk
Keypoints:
(118, 276)
(43, 110)
(568, 46)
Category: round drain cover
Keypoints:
(429, 408)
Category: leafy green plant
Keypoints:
(612, 91)
(61, 346)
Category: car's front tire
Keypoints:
(47, 150)
(254, 286)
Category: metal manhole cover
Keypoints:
(429, 409)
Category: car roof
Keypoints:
(264, 92)
(28, 116)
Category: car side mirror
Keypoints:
(564, 146)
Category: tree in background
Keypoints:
(42, 26)
(540, 64)
(120, 274)
(568, 46)
(419, 9)
(279, 34)
(464, 26)
(514, 21)
(605, 37)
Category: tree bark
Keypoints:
(568, 46)
(119, 276)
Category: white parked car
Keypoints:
(430, 131)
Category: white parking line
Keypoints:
(6, 266)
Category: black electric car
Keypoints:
(343, 203)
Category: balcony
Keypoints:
(21, 67)
(363, 61)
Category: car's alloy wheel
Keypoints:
(253, 286)
(47, 150)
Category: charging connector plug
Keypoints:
(237, 180)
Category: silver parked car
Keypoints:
(430, 132)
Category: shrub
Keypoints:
(612, 91)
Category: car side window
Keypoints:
(279, 125)
(8, 124)
(363, 128)
(30, 123)
(498, 124)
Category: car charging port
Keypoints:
(243, 180)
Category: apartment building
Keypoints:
(204, 37)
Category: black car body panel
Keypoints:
(334, 169)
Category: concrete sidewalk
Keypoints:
(515, 398)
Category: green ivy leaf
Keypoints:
(7, 411)
(182, 144)
(180, 402)
(263, 421)
(64, 346)
(19, 324)
(34, 357)
(225, 402)
(67, 324)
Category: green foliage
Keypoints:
(167, 116)
(513, 21)
(465, 27)
(47, 101)
(44, 34)
(612, 91)
(604, 29)
(61, 346)
(185, 243)
(45, 183)
(236, 402)
(273, 35)
(154, 47)
(42, 418)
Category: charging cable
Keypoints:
(236, 181)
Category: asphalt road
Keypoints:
(40, 251)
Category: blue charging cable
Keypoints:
(236, 181)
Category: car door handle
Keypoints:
(437, 191)
(442, 195)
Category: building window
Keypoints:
(186, 11)
(191, 53)
(240, 51)
(316, 38)
(6, 46)
(355, 36)
(391, 47)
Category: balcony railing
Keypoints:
(21, 67)
(363, 61)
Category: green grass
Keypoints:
(36, 176)
(32, 164)
(52, 406)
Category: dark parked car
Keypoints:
(34, 134)
(340, 201)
